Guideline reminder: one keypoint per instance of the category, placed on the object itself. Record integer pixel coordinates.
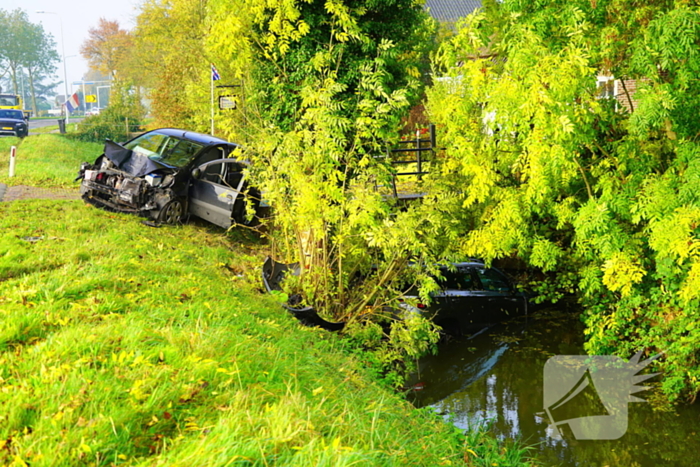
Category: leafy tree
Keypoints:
(325, 87)
(170, 43)
(288, 41)
(574, 184)
(13, 25)
(40, 60)
(108, 50)
(106, 47)
(26, 46)
(16, 42)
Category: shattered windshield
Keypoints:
(164, 148)
(148, 144)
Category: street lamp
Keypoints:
(63, 48)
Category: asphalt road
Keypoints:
(34, 124)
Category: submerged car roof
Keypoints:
(193, 136)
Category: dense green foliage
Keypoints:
(598, 193)
(326, 86)
(169, 40)
(291, 44)
(576, 184)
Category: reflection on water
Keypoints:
(496, 378)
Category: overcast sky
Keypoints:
(77, 16)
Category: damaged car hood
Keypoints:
(133, 163)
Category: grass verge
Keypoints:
(44, 130)
(122, 344)
(49, 160)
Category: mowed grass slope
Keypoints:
(49, 161)
(122, 344)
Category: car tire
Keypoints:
(172, 213)
(240, 216)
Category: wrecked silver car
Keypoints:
(167, 174)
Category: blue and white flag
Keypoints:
(73, 102)
(214, 73)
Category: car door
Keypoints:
(215, 191)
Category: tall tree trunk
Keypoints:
(31, 89)
(2, 75)
(13, 75)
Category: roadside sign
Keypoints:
(91, 98)
(227, 102)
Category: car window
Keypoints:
(234, 175)
(9, 100)
(148, 144)
(16, 114)
(228, 174)
(492, 280)
(211, 154)
(180, 155)
(462, 279)
(214, 173)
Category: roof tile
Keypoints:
(451, 10)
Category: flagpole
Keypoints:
(211, 80)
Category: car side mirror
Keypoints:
(197, 173)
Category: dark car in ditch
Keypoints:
(471, 297)
(12, 122)
(167, 174)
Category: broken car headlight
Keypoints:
(154, 179)
(90, 175)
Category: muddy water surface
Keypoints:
(496, 378)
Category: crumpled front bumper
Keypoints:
(116, 191)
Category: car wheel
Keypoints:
(241, 218)
(172, 212)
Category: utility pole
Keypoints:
(63, 49)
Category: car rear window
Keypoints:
(461, 279)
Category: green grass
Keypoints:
(48, 160)
(43, 130)
(122, 344)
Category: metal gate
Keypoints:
(423, 150)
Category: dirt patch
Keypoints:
(14, 193)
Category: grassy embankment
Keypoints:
(50, 161)
(122, 344)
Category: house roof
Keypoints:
(451, 10)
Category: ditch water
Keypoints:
(496, 379)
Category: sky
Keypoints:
(77, 17)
